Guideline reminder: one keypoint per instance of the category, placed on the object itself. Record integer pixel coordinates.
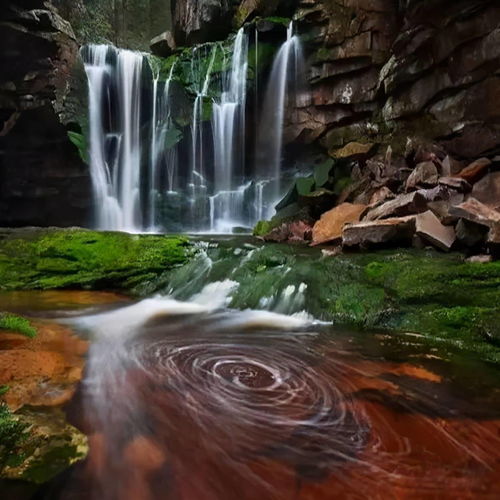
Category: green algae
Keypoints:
(81, 259)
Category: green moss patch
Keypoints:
(77, 258)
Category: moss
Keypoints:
(77, 258)
(17, 324)
(13, 435)
(45, 445)
(441, 297)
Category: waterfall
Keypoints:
(286, 70)
(228, 122)
(115, 156)
(142, 180)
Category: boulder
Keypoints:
(477, 212)
(424, 175)
(329, 227)
(394, 231)
(404, 204)
(429, 228)
(163, 45)
(487, 190)
(441, 210)
(473, 172)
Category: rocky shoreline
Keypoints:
(439, 202)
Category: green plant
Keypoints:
(16, 324)
(80, 141)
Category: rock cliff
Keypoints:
(42, 179)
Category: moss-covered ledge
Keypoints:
(34, 258)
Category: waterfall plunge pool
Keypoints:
(185, 397)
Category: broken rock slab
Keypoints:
(163, 45)
(385, 232)
(402, 205)
(475, 211)
(425, 174)
(429, 228)
(473, 172)
(487, 190)
(329, 227)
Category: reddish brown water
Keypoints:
(188, 410)
(202, 408)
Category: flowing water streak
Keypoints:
(161, 123)
(229, 141)
(115, 171)
(129, 68)
(287, 70)
(98, 73)
(197, 181)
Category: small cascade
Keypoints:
(115, 156)
(282, 92)
(229, 141)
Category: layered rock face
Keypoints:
(43, 181)
(405, 96)
(383, 72)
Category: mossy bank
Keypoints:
(441, 297)
(78, 258)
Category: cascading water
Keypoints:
(226, 205)
(115, 156)
(286, 74)
(138, 181)
(160, 154)
(197, 178)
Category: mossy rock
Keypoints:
(78, 258)
(45, 445)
